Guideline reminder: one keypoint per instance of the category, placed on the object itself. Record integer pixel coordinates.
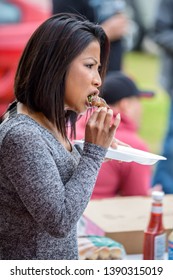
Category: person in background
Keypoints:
(110, 14)
(45, 181)
(163, 36)
(122, 178)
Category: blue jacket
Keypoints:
(163, 36)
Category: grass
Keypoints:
(144, 69)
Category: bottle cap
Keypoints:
(157, 195)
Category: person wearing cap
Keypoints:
(122, 178)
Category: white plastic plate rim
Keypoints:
(129, 154)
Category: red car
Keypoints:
(13, 38)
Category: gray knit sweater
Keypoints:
(44, 189)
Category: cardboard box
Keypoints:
(124, 219)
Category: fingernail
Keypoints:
(118, 116)
(104, 109)
(99, 109)
(110, 111)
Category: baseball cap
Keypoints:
(117, 86)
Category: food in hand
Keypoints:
(96, 101)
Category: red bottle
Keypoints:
(154, 236)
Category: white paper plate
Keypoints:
(129, 154)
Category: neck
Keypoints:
(37, 116)
(43, 121)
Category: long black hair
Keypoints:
(40, 77)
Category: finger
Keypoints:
(114, 144)
(101, 115)
(108, 118)
(115, 124)
(122, 143)
(94, 115)
(114, 127)
(117, 120)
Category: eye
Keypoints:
(89, 65)
(99, 69)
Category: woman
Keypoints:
(45, 182)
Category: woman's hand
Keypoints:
(114, 145)
(116, 142)
(100, 129)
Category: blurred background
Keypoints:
(19, 19)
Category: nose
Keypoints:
(97, 80)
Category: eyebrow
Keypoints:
(95, 60)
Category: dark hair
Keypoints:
(40, 77)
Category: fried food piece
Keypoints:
(97, 101)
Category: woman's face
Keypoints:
(83, 78)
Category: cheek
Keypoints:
(138, 114)
(75, 78)
(135, 110)
(73, 90)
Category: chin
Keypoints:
(81, 111)
(78, 110)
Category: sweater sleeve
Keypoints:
(31, 169)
